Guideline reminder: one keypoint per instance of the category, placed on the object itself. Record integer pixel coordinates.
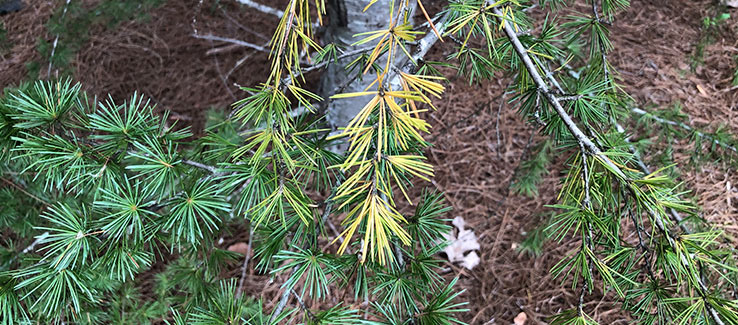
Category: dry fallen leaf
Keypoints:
(520, 319)
(239, 247)
(463, 245)
(731, 3)
(727, 188)
(702, 90)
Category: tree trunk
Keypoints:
(347, 18)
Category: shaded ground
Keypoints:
(478, 143)
(158, 56)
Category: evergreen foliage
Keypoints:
(99, 192)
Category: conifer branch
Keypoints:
(603, 52)
(550, 97)
(424, 45)
(246, 259)
(686, 127)
(131, 182)
(592, 149)
(209, 168)
(587, 240)
(22, 190)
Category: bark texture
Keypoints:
(347, 18)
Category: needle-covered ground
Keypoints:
(663, 51)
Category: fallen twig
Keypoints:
(263, 8)
(245, 266)
(232, 40)
(56, 41)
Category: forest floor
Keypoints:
(478, 140)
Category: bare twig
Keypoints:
(246, 259)
(244, 28)
(11, 183)
(241, 61)
(232, 40)
(643, 247)
(56, 41)
(497, 121)
(263, 8)
(283, 300)
(209, 168)
(639, 111)
(38, 240)
(302, 305)
(224, 48)
(603, 53)
(571, 98)
(215, 59)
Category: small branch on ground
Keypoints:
(232, 40)
(246, 259)
(263, 8)
(56, 41)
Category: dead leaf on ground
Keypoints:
(463, 245)
(730, 3)
(239, 247)
(702, 90)
(520, 319)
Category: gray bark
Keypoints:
(347, 19)
(8, 6)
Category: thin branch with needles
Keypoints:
(586, 143)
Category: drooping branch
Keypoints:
(550, 96)
(639, 111)
(246, 259)
(324, 216)
(603, 52)
(590, 146)
(587, 205)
